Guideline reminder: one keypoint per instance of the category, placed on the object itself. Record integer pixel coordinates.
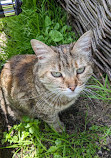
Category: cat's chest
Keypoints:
(50, 106)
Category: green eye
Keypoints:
(56, 74)
(80, 70)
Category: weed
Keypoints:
(100, 91)
(29, 140)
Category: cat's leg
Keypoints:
(54, 122)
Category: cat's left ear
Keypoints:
(83, 44)
(42, 51)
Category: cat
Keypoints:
(44, 84)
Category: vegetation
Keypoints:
(31, 142)
(98, 90)
(46, 22)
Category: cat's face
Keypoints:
(65, 69)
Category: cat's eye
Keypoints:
(56, 74)
(80, 70)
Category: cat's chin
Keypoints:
(72, 94)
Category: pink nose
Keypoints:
(72, 88)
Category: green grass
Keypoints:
(32, 141)
(45, 21)
(98, 90)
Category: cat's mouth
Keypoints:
(72, 94)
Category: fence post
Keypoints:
(1, 11)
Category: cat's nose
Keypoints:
(72, 88)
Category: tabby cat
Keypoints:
(44, 84)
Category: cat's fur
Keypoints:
(29, 87)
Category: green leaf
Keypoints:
(15, 139)
(25, 119)
(31, 130)
(24, 135)
(57, 26)
(52, 149)
(47, 21)
(57, 156)
(8, 136)
(40, 38)
(58, 142)
(56, 35)
(64, 28)
(3, 141)
(94, 127)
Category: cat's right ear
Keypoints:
(42, 51)
(83, 44)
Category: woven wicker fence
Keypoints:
(95, 15)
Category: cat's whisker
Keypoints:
(92, 86)
(48, 100)
(53, 93)
(36, 96)
(56, 99)
(89, 98)
(53, 101)
(93, 93)
(56, 94)
(90, 91)
(60, 99)
(86, 90)
(44, 94)
(50, 95)
(44, 98)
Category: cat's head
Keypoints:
(65, 69)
